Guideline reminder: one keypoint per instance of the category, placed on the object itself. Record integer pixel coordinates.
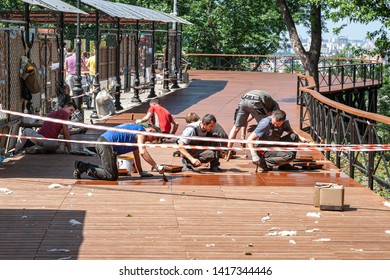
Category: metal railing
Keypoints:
(331, 122)
(344, 76)
(258, 62)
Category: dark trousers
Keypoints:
(205, 156)
(108, 170)
(278, 158)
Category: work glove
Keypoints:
(160, 169)
(256, 159)
(146, 174)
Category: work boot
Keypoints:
(216, 169)
(287, 167)
(264, 165)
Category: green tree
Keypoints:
(294, 12)
(314, 13)
(365, 12)
(231, 26)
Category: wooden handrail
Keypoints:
(356, 112)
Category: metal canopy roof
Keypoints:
(128, 14)
(56, 5)
(112, 9)
(126, 11)
(151, 15)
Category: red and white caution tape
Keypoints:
(358, 148)
(281, 146)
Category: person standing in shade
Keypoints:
(91, 64)
(71, 70)
(108, 170)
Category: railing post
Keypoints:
(275, 66)
(338, 137)
(292, 65)
(352, 153)
(330, 79)
(301, 110)
(298, 90)
(371, 159)
(328, 130)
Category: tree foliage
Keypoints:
(365, 12)
(231, 26)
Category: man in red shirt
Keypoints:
(49, 130)
(160, 117)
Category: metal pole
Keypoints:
(118, 75)
(136, 62)
(77, 89)
(62, 45)
(28, 45)
(96, 83)
(177, 62)
(166, 64)
(152, 93)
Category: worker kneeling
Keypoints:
(274, 128)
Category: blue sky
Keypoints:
(354, 31)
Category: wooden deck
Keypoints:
(192, 216)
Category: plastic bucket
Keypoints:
(126, 162)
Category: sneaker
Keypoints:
(287, 167)
(216, 169)
(34, 150)
(264, 165)
(77, 172)
(176, 154)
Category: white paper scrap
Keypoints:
(162, 200)
(314, 214)
(5, 191)
(266, 218)
(74, 223)
(322, 240)
(356, 250)
(387, 231)
(292, 242)
(58, 250)
(283, 233)
(274, 228)
(386, 203)
(312, 230)
(55, 186)
(210, 245)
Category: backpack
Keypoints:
(29, 73)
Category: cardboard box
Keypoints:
(317, 188)
(332, 198)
